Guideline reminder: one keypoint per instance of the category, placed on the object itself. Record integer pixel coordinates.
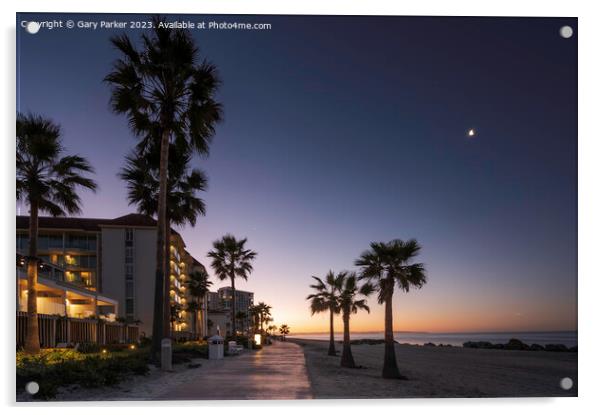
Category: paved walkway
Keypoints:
(275, 372)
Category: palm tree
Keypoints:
(349, 303)
(387, 264)
(142, 175)
(230, 259)
(198, 286)
(255, 313)
(326, 298)
(167, 96)
(47, 181)
(271, 329)
(264, 314)
(284, 330)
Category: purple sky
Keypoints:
(340, 131)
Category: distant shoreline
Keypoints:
(566, 338)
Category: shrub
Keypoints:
(190, 350)
(89, 348)
(55, 368)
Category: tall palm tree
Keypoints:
(350, 303)
(198, 286)
(326, 299)
(387, 264)
(183, 206)
(47, 181)
(167, 96)
(284, 331)
(141, 173)
(231, 260)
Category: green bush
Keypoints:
(52, 369)
(190, 350)
(89, 348)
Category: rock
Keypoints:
(429, 344)
(478, 345)
(515, 344)
(536, 347)
(556, 348)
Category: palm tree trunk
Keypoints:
(32, 339)
(158, 315)
(331, 350)
(390, 370)
(346, 357)
(233, 305)
(167, 281)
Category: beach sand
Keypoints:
(439, 372)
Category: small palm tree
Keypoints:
(351, 304)
(326, 299)
(265, 313)
(255, 313)
(388, 264)
(198, 286)
(231, 260)
(167, 97)
(47, 181)
(284, 330)
(271, 329)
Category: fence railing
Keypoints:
(56, 329)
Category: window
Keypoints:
(129, 289)
(55, 241)
(129, 237)
(129, 306)
(22, 242)
(129, 271)
(129, 254)
(129, 274)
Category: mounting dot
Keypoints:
(32, 27)
(566, 383)
(32, 388)
(566, 32)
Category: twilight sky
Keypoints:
(340, 131)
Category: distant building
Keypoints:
(112, 259)
(219, 308)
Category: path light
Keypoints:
(471, 132)
(132, 346)
(104, 351)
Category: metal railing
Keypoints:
(57, 329)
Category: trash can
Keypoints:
(216, 347)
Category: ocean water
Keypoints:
(568, 338)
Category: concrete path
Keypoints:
(275, 372)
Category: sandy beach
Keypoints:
(439, 372)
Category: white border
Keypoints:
(590, 197)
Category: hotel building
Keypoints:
(104, 267)
(219, 306)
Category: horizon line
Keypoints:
(442, 332)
